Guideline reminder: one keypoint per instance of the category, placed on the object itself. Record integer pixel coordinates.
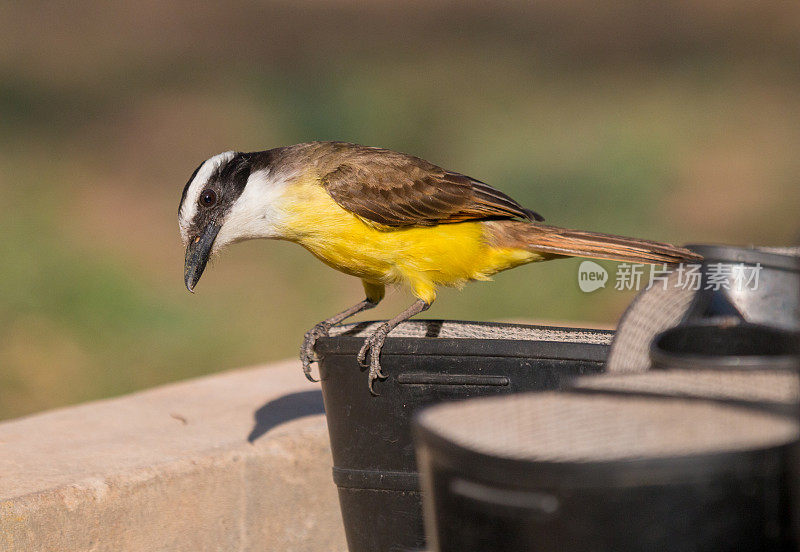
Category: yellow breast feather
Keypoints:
(421, 258)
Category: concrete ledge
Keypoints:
(237, 461)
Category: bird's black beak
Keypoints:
(197, 253)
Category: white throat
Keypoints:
(257, 213)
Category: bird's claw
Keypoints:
(307, 354)
(372, 349)
(375, 373)
(362, 354)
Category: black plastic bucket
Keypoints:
(427, 362)
(583, 472)
(714, 346)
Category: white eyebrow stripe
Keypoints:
(189, 206)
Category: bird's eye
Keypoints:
(208, 198)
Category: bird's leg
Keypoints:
(307, 355)
(374, 342)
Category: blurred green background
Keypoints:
(677, 121)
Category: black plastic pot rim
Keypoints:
(456, 347)
(459, 347)
(617, 473)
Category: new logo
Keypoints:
(591, 276)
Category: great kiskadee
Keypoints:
(382, 216)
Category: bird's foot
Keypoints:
(307, 354)
(372, 349)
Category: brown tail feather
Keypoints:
(579, 243)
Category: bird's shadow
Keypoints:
(286, 408)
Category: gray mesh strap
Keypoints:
(651, 312)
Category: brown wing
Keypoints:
(395, 189)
